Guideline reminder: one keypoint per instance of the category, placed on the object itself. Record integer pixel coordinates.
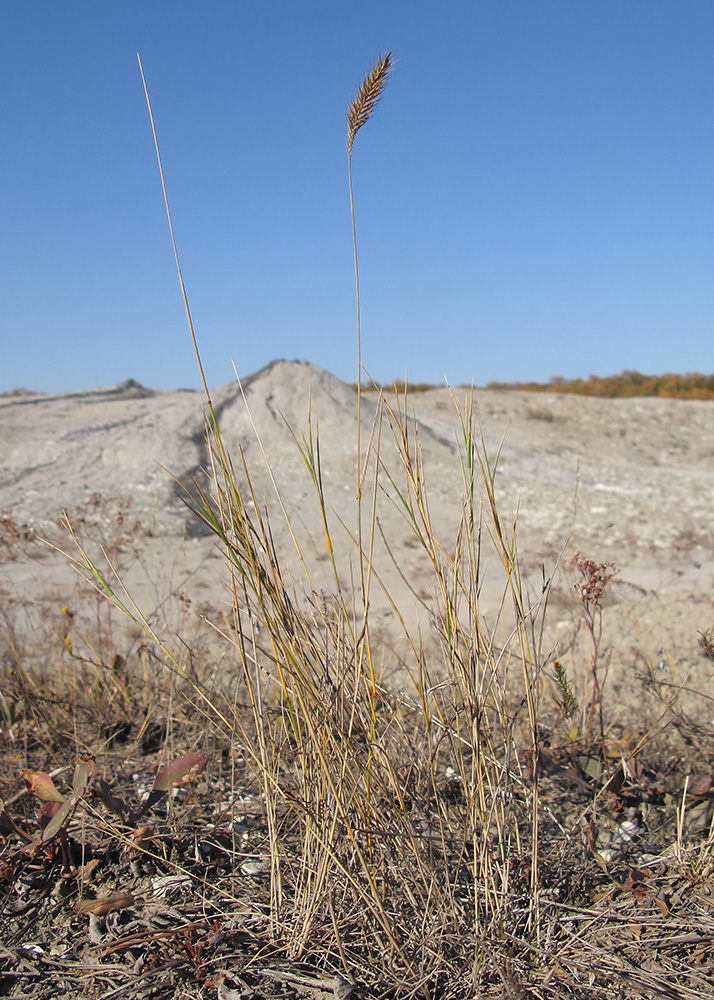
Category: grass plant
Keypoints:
(407, 813)
(405, 846)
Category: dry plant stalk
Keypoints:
(359, 111)
(593, 580)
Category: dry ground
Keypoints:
(626, 872)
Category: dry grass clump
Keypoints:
(463, 837)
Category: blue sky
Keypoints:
(534, 196)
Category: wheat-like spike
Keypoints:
(367, 97)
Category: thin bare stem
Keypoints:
(359, 111)
(173, 240)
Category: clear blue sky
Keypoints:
(535, 194)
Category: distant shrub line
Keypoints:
(629, 383)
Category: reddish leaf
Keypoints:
(85, 872)
(41, 785)
(180, 771)
(143, 838)
(700, 786)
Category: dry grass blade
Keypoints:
(367, 97)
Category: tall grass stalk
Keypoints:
(359, 111)
(394, 820)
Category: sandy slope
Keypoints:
(630, 481)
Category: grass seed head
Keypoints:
(367, 97)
